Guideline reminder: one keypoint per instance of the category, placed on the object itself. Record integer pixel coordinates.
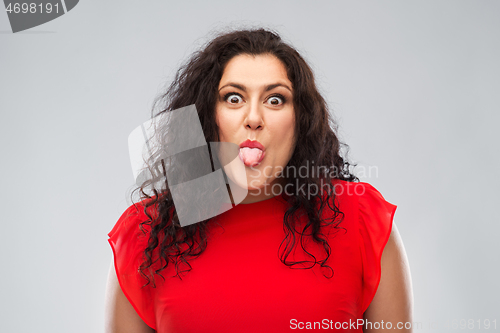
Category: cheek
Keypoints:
(285, 126)
(289, 125)
(221, 124)
(291, 138)
(228, 124)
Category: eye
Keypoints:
(276, 100)
(233, 98)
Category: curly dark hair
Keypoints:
(196, 82)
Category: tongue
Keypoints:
(250, 156)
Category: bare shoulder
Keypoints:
(393, 301)
(120, 316)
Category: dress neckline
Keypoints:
(257, 209)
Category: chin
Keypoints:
(248, 178)
(248, 183)
(256, 184)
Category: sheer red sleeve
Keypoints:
(128, 243)
(375, 226)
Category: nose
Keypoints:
(254, 119)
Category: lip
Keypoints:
(254, 144)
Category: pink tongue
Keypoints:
(250, 156)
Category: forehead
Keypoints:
(259, 69)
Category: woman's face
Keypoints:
(255, 111)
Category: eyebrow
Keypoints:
(268, 87)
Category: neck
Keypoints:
(263, 193)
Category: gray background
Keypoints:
(414, 85)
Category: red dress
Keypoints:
(239, 283)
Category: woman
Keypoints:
(309, 247)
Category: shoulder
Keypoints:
(128, 240)
(353, 189)
(393, 295)
(133, 216)
(374, 219)
(362, 195)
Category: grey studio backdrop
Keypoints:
(414, 86)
